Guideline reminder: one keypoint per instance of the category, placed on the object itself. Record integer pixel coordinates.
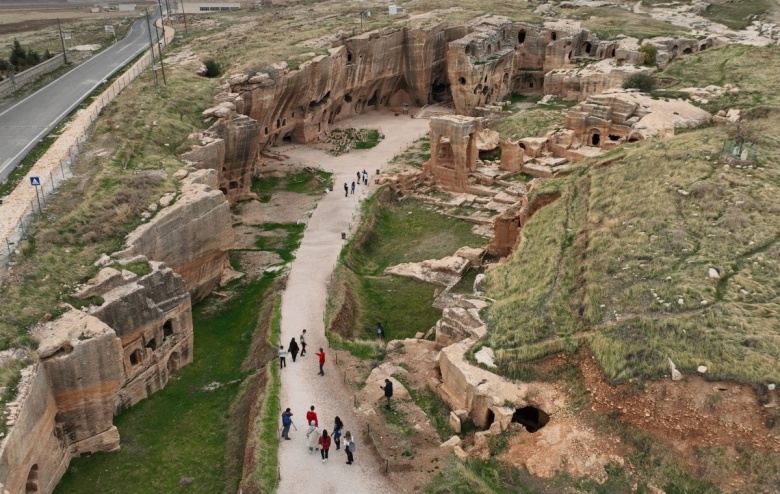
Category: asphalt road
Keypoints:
(26, 122)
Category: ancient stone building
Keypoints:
(453, 151)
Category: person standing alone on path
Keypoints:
(321, 355)
(311, 416)
(349, 447)
(282, 355)
(353, 187)
(293, 349)
(346, 189)
(303, 343)
(324, 443)
(358, 177)
(365, 177)
(388, 388)
(286, 423)
(337, 432)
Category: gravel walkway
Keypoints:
(303, 306)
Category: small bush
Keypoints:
(651, 52)
(643, 82)
(213, 69)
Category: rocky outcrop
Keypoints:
(457, 324)
(446, 271)
(191, 236)
(577, 84)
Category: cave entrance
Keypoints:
(531, 418)
(136, 357)
(287, 137)
(173, 362)
(491, 417)
(439, 91)
(613, 137)
(595, 138)
(167, 329)
(374, 99)
(32, 480)
(521, 36)
(152, 345)
(687, 51)
(586, 48)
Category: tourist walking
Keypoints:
(353, 187)
(302, 339)
(311, 416)
(282, 355)
(286, 423)
(324, 442)
(349, 447)
(358, 177)
(346, 189)
(365, 177)
(321, 355)
(337, 432)
(388, 389)
(312, 437)
(293, 349)
(380, 331)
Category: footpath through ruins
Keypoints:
(303, 307)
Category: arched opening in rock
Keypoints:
(703, 47)
(568, 56)
(489, 49)
(531, 84)
(173, 362)
(478, 89)
(613, 52)
(284, 122)
(320, 102)
(152, 344)
(136, 357)
(374, 98)
(613, 137)
(233, 185)
(586, 47)
(674, 50)
(287, 137)
(485, 90)
(595, 138)
(349, 57)
(521, 36)
(467, 50)
(439, 91)
(491, 417)
(634, 138)
(223, 190)
(445, 150)
(266, 131)
(522, 146)
(461, 80)
(506, 78)
(687, 51)
(167, 329)
(224, 169)
(553, 35)
(32, 480)
(485, 80)
(532, 418)
(348, 98)
(278, 123)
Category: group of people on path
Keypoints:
(361, 176)
(293, 350)
(316, 440)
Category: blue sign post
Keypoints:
(36, 182)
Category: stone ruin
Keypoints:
(92, 364)
(453, 151)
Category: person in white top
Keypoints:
(282, 357)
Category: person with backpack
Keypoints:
(286, 423)
(388, 389)
(349, 447)
(293, 349)
(324, 442)
(337, 433)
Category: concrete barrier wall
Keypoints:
(29, 75)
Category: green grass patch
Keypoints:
(479, 477)
(181, 431)
(531, 122)
(139, 268)
(362, 349)
(438, 412)
(306, 181)
(284, 239)
(370, 140)
(737, 15)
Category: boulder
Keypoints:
(676, 375)
(451, 442)
(487, 140)
(462, 455)
(485, 356)
(472, 254)
(713, 273)
(455, 422)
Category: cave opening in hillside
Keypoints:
(152, 344)
(586, 48)
(595, 139)
(613, 137)
(135, 357)
(491, 417)
(438, 91)
(531, 418)
(553, 36)
(687, 51)
(32, 480)
(521, 36)
(374, 99)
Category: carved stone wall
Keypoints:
(453, 151)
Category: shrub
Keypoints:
(643, 82)
(213, 69)
(651, 52)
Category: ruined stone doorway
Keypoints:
(531, 418)
(491, 417)
(32, 480)
(439, 92)
(595, 139)
(167, 329)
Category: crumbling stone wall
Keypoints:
(453, 151)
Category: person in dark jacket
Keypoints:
(324, 443)
(388, 387)
(286, 423)
(337, 432)
(293, 349)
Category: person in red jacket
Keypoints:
(324, 443)
(311, 416)
(321, 355)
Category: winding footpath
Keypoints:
(303, 306)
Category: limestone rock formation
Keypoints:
(457, 324)
(192, 236)
(446, 271)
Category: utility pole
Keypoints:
(64, 53)
(159, 45)
(185, 17)
(151, 45)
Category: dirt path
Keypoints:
(303, 306)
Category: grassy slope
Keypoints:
(587, 265)
(406, 231)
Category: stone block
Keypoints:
(455, 422)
